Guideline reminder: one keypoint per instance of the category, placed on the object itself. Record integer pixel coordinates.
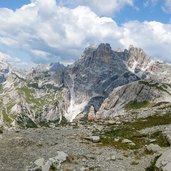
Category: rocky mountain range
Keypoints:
(108, 111)
(102, 84)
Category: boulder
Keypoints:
(94, 139)
(163, 163)
(40, 162)
(47, 166)
(91, 114)
(61, 157)
(126, 141)
(113, 157)
(55, 162)
(154, 148)
(167, 133)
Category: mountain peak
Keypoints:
(104, 46)
(103, 52)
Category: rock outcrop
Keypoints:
(101, 84)
(163, 163)
(92, 78)
(52, 163)
(135, 95)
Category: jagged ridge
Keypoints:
(50, 93)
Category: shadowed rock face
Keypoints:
(96, 74)
(4, 70)
(51, 92)
(103, 53)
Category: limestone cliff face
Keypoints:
(92, 78)
(98, 85)
(138, 61)
(135, 95)
(145, 67)
(101, 70)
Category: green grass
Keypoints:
(5, 113)
(44, 87)
(27, 91)
(37, 103)
(137, 105)
(151, 121)
(25, 122)
(1, 88)
(161, 140)
(30, 96)
(6, 118)
(131, 131)
(123, 133)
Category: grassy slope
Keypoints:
(137, 105)
(131, 131)
(27, 92)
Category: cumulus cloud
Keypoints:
(101, 7)
(46, 31)
(153, 37)
(50, 31)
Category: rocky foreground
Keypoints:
(82, 146)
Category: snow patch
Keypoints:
(74, 110)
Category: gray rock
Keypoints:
(99, 127)
(119, 100)
(61, 157)
(153, 148)
(152, 140)
(40, 162)
(126, 141)
(113, 157)
(99, 85)
(45, 166)
(95, 75)
(163, 163)
(167, 133)
(83, 169)
(116, 139)
(94, 139)
(73, 124)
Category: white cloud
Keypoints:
(101, 7)
(164, 4)
(154, 37)
(150, 3)
(167, 6)
(59, 31)
(13, 62)
(47, 32)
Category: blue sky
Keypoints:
(41, 31)
(141, 12)
(13, 4)
(151, 12)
